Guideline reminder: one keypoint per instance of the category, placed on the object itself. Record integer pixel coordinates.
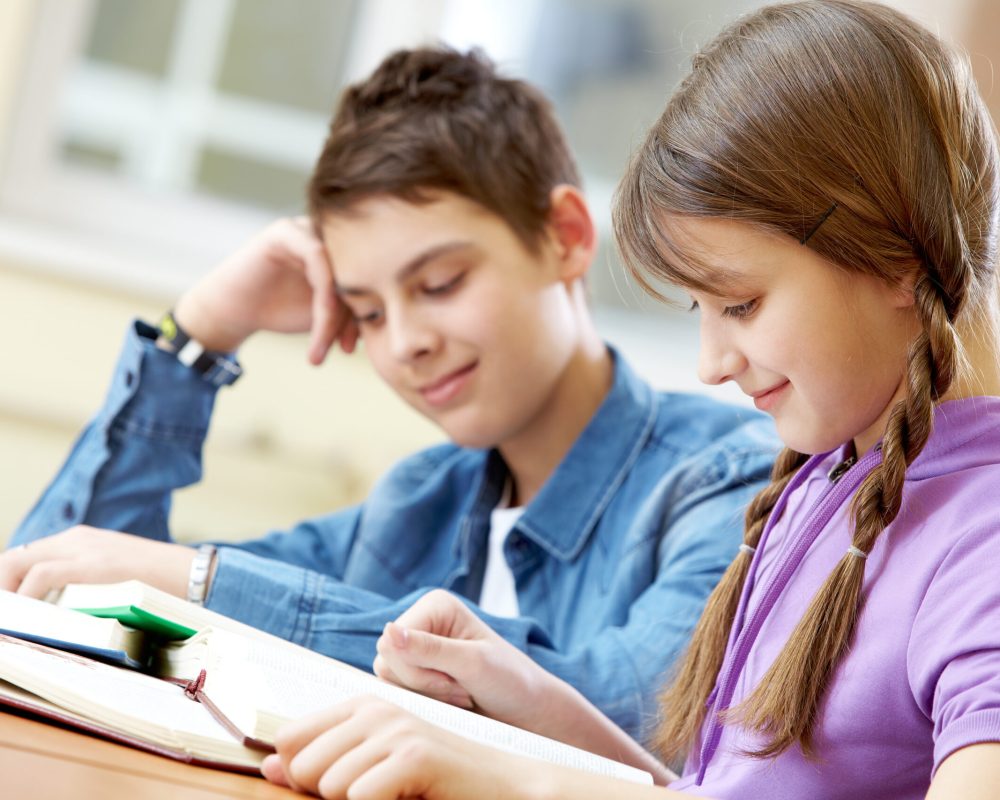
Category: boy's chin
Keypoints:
(474, 440)
(470, 433)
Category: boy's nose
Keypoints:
(411, 337)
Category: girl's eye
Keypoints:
(742, 311)
(447, 286)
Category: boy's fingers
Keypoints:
(349, 334)
(327, 310)
(44, 576)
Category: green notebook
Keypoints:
(143, 620)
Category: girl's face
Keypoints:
(820, 349)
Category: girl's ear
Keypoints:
(902, 293)
(572, 232)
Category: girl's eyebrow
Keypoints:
(726, 284)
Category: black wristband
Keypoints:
(220, 369)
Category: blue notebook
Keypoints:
(65, 629)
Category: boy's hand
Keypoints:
(441, 649)
(281, 280)
(90, 555)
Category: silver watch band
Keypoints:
(201, 568)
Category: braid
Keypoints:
(785, 705)
(682, 702)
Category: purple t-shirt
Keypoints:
(922, 677)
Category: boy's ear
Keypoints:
(572, 232)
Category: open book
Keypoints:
(219, 696)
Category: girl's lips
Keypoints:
(769, 399)
(447, 388)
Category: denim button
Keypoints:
(68, 511)
(129, 378)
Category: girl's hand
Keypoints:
(441, 649)
(368, 749)
(281, 280)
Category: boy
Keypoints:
(583, 515)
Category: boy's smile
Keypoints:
(440, 392)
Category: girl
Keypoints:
(824, 185)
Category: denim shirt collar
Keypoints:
(566, 510)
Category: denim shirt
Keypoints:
(613, 559)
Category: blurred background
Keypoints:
(142, 140)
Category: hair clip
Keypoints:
(819, 222)
(854, 551)
(745, 548)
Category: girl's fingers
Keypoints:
(389, 779)
(295, 735)
(424, 662)
(272, 769)
(337, 756)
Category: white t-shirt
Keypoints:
(499, 594)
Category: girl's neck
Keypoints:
(978, 372)
(979, 365)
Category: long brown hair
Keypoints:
(849, 114)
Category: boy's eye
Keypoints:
(445, 287)
(742, 311)
(369, 318)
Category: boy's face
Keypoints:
(457, 316)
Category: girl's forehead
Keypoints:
(722, 257)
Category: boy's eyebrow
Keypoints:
(413, 265)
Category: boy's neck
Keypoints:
(535, 453)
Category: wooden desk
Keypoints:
(43, 762)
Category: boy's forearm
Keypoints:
(144, 443)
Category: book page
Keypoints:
(287, 687)
(130, 702)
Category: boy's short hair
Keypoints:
(433, 118)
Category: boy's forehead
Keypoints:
(420, 204)
(386, 226)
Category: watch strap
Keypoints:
(219, 369)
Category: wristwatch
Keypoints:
(201, 568)
(220, 369)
